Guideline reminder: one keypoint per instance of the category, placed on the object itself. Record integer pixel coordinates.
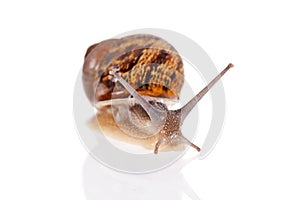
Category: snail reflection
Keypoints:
(100, 182)
(150, 70)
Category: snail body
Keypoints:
(130, 81)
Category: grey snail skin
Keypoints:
(130, 82)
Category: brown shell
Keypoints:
(148, 63)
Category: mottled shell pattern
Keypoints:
(148, 63)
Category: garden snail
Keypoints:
(130, 81)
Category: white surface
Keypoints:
(42, 46)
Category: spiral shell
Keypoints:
(148, 63)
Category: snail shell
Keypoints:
(148, 63)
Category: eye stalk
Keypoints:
(186, 109)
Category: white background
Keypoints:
(42, 45)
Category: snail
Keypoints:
(131, 81)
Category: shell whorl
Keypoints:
(148, 63)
